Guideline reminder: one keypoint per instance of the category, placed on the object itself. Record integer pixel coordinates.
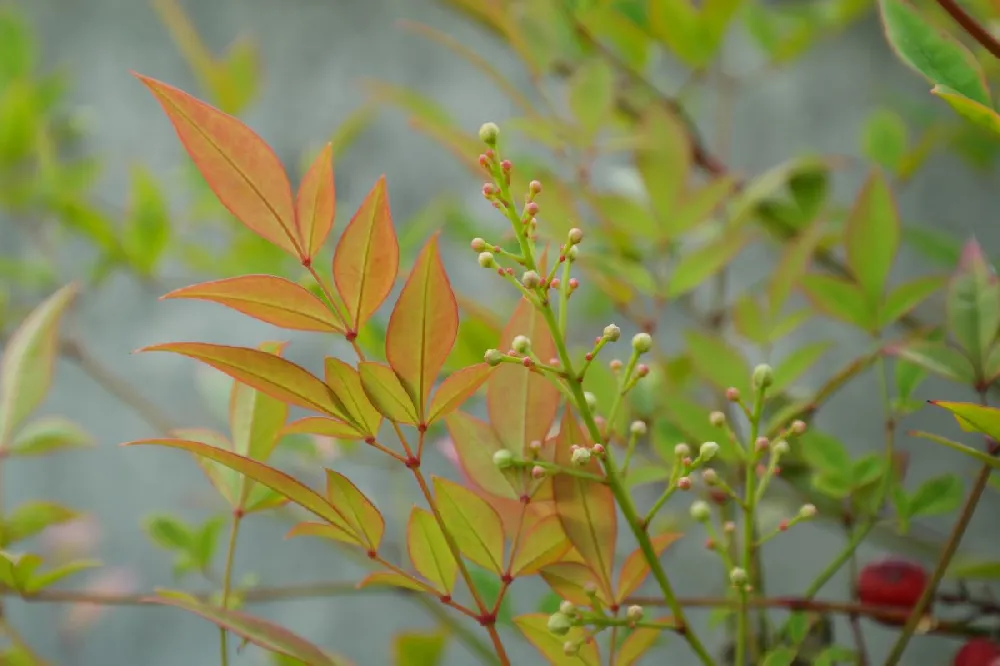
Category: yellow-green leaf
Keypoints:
(345, 384)
(386, 393)
(475, 525)
(255, 418)
(357, 510)
(535, 629)
(872, 236)
(971, 110)
(456, 389)
(429, 551)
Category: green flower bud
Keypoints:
(718, 419)
(780, 448)
(581, 456)
(493, 357)
(634, 613)
(488, 133)
(591, 400)
(708, 450)
(560, 624)
(642, 342)
(638, 428)
(763, 376)
(531, 280)
(567, 608)
(700, 511)
(521, 344)
(807, 511)
(503, 458)
(738, 577)
(612, 332)
(572, 253)
(486, 260)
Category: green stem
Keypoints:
(227, 581)
(749, 531)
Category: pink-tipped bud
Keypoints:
(478, 245)
(783, 526)
(534, 446)
(709, 543)
(554, 362)
(761, 444)
(597, 449)
(531, 209)
(506, 165)
(761, 471)
(531, 280)
(527, 362)
(489, 190)
(733, 394)
(484, 161)
(573, 284)
(684, 483)
(615, 365)
(729, 527)
(537, 472)
(555, 283)
(535, 187)
(682, 451)
(641, 370)
(575, 236)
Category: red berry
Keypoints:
(978, 652)
(892, 582)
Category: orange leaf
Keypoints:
(367, 257)
(270, 299)
(474, 524)
(456, 389)
(639, 641)
(238, 165)
(586, 508)
(316, 203)
(269, 636)
(543, 544)
(423, 326)
(263, 474)
(569, 580)
(535, 629)
(393, 579)
(429, 551)
(324, 427)
(270, 374)
(635, 568)
(382, 387)
(522, 404)
(475, 443)
(345, 383)
(359, 512)
(326, 531)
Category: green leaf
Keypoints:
(48, 434)
(839, 298)
(982, 457)
(782, 656)
(975, 570)
(476, 526)
(936, 496)
(979, 114)
(418, 649)
(826, 455)
(591, 96)
(718, 362)
(696, 266)
(255, 418)
(872, 236)
(974, 305)
(147, 223)
(261, 633)
(885, 139)
(935, 55)
(29, 360)
(56, 574)
(386, 393)
(535, 629)
(941, 247)
(937, 358)
(169, 533)
(791, 368)
(429, 551)
(663, 160)
(904, 298)
(31, 518)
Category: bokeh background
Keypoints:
(314, 57)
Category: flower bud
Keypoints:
(710, 477)
(738, 577)
(493, 357)
(641, 370)
(488, 133)
(521, 344)
(535, 187)
(634, 613)
(478, 244)
(590, 589)
(560, 624)
(708, 450)
(798, 427)
(503, 458)
(597, 449)
(807, 511)
(682, 450)
(612, 332)
(572, 253)
(486, 260)
(780, 448)
(684, 483)
(537, 472)
(575, 236)
(763, 376)
(567, 608)
(642, 342)
(761, 444)
(591, 400)
(718, 419)
(700, 511)
(615, 365)
(733, 394)
(531, 280)
(581, 456)
(571, 648)
(638, 428)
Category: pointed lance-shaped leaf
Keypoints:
(342, 533)
(635, 568)
(475, 525)
(361, 515)
(366, 260)
(522, 404)
(255, 418)
(872, 236)
(316, 203)
(29, 359)
(586, 508)
(345, 383)
(386, 393)
(429, 551)
(273, 300)
(276, 480)
(260, 632)
(973, 305)
(535, 629)
(393, 579)
(840, 299)
(542, 544)
(423, 326)
(265, 372)
(475, 443)
(324, 427)
(240, 168)
(456, 389)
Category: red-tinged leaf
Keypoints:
(974, 418)
(522, 404)
(635, 568)
(473, 523)
(475, 443)
(839, 298)
(270, 299)
(29, 359)
(586, 508)
(265, 372)
(255, 418)
(973, 305)
(367, 257)
(324, 427)
(386, 393)
(263, 474)
(242, 170)
(261, 633)
(639, 641)
(423, 326)
(326, 531)
(224, 479)
(345, 383)
(903, 299)
(535, 629)
(359, 512)
(872, 236)
(456, 389)
(429, 551)
(543, 544)
(393, 579)
(316, 202)
(570, 579)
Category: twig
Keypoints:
(971, 26)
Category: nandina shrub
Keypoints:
(552, 477)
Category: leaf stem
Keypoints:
(971, 26)
(749, 525)
(227, 580)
